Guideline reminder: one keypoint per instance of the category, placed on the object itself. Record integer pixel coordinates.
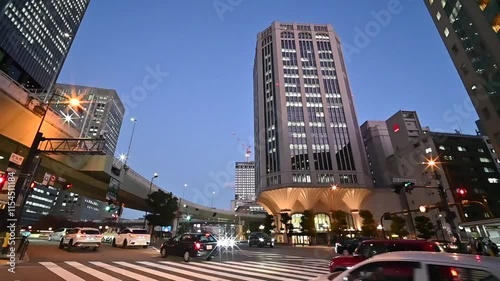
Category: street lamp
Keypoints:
(155, 175)
(133, 120)
(213, 196)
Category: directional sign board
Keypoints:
(52, 180)
(398, 180)
(46, 179)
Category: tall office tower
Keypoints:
(35, 38)
(100, 112)
(470, 31)
(307, 136)
(378, 147)
(78, 208)
(244, 181)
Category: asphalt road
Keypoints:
(49, 263)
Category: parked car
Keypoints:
(57, 234)
(370, 248)
(260, 239)
(420, 266)
(81, 237)
(130, 237)
(190, 245)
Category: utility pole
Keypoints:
(449, 214)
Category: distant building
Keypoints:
(79, 208)
(378, 147)
(244, 181)
(38, 204)
(100, 112)
(470, 32)
(35, 38)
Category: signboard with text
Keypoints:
(398, 180)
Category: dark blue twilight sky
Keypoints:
(186, 119)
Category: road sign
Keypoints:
(16, 159)
(46, 179)
(397, 180)
(52, 180)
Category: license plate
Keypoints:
(209, 247)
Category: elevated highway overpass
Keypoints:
(91, 175)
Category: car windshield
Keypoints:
(140, 231)
(206, 238)
(262, 235)
(90, 231)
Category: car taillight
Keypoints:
(197, 246)
(80, 236)
(99, 236)
(132, 235)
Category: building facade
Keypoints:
(470, 31)
(39, 203)
(378, 147)
(79, 208)
(35, 38)
(244, 181)
(307, 136)
(100, 112)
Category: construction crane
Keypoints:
(247, 148)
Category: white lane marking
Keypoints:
(211, 271)
(93, 272)
(152, 271)
(184, 272)
(61, 272)
(269, 273)
(291, 266)
(279, 268)
(122, 271)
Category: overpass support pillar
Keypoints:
(175, 226)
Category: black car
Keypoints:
(260, 239)
(190, 245)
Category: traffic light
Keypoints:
(3, 179)
(108, 208)
(409, 186)
(67, 186)
(188, 218)
(32, 185)
(462, 192)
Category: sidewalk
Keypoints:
(5, 261)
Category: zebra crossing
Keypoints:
(180, 271)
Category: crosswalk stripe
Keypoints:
(152, 271)
(300, 265)
(211, 271)
(291, 266)
(185, 272)
(59, 271)
(121, 271)
(241, 265)
(256, 274)
(93, 272)
(286, 268)
(277, 269)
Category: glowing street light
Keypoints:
(261, 227)
(422, 209)
(74, 102)
(380, 227)
(334, 187)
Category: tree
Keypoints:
(398, 226)
(307, 224)
(285, 220)
(424, 227)
(369, 226)
(268, 224)
(339, 223)
(163, 208)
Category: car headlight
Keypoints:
(261, 239)
(272, 239)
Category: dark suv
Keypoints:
(260, 239)
(190, 245)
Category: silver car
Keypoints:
(58, 234)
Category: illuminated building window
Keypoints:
(483, 4)
(496, 23)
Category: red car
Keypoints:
(370, 248)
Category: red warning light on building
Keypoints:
(396, 128)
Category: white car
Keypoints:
(130, 237)
(81, 237)
(421, 266)
(57, 234)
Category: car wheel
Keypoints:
(144, 247)
(272, 246)
(61, 244)
(113, 243)
(95, 249)
(124, 244)
(186, 256)
(163, 253)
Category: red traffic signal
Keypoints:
(33, 185)
(462, 191)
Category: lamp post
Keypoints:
(133, 120)
(155, 175)
(178, 212)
